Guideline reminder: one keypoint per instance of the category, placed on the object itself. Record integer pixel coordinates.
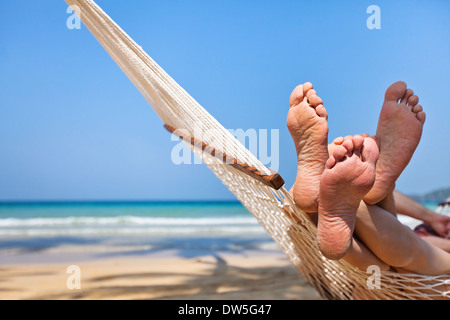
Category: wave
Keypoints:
(123, 225)
(122, 220)
(131, 231)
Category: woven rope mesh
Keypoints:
(275, 210)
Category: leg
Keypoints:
(396, 244)
(307, 123)
(358, 255)
(361, 257)
(439, 242)
(399, 131)
(389, 204)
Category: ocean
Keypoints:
(107, 228)
(125, 218)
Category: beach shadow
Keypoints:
(217, 279)
(10, 289)
(37, 244)
(193, 247)
(221, 281)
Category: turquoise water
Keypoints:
(106, 218)
(108, 209)
(34, 232)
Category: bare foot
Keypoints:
(399, 132)
(307, 123)
(349, 174)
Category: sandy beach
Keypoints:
(248, 276)
(140, 250)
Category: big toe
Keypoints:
(396, 91)
(370, 150)
(296, 96)
(358, 141)
(299, 93)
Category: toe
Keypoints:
(421, 116)
(330, 162)
(307, 86)
(339, 153)
(338, 140)
(417, 108)
(413, 100)
(348, 144)
(315, 100)
(396, 91)
(407, 95)
(296, 96)
(321, 111)
(310, 93)
(370, 150)
(358, 141)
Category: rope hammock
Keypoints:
(258, 188)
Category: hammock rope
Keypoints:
(258, 188)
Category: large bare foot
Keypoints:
(349, 174)
(399, 132)
(307, 123)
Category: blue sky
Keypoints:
(73, 127)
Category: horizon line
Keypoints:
(56, 201)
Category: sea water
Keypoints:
(31, 230)
(189, 228)
(125, 218)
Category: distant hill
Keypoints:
(434, 196)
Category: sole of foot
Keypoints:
(399, 131)
(307, 123)
(349, 174)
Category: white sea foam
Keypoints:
(131, 231)
(122, 220)
(127, 225)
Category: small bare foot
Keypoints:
(307, 123)
(349, 174)
(399, 131)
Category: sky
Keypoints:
(73, 126)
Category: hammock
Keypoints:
(258, 188)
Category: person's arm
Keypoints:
(412, 208)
